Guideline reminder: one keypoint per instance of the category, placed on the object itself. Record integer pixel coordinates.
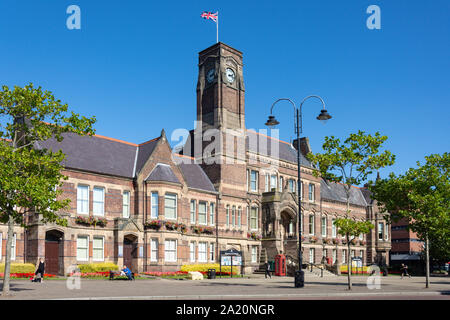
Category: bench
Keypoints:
(113, 274)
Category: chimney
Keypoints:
(305, 148)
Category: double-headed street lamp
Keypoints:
(323, 116)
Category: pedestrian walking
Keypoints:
(267, 268)
(39, 273)
(404, 270)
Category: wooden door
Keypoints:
(52, 257)
(129, 253)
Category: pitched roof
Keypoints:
(266, 145)
(144, 152)
(195, 177)
(95, 154)
(336, 192)
(162, 172)
(367, 195)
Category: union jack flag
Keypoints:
(209, 15)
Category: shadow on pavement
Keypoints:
(13, 287)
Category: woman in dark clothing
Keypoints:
(39, 274)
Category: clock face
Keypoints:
(230, 75)
(210, 75)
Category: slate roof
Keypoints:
(195, 177)
(262, 144)
(367, 195)
(162, 172)
(144, 152)
(95, 154)
(336, 192)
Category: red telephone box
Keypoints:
(280, 265)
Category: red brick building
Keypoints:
(162, 209)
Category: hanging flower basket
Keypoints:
(313, 239)
(327, 241)
(354, 242)
(363, 242)
(336, 241)
(182, 227)
(154, 224)
(254, 236)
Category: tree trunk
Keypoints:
(6, 276)
(349, 267)
(427, 261)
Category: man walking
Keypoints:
(267, 269)
(404, 270)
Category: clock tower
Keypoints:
(220, 110)
(220, 88)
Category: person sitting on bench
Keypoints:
(127, 272)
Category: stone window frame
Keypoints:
(87, 248)
(202, 253)
(334, 232)
(255, 181)
(166, 251)
(212, 253)
(311, 192)
(256, 218)
(313, 227)
(102, 248)
(154, 207)
(102, 202)
(212, 213)
(79, 186)
(322, 226)
(205, 213)
(192, 245)
(169, 194)
(380, 231)
(312, 257)
(154, 250)
(126, 212)
(192, 211)
(254, 254)
(233, 216)
(227, 215)
(239, 217)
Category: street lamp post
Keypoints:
(323, 116)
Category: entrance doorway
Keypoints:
(53, 251)
(130, 251)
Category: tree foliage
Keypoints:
(352, 161)
(30, 175)
(422, 196)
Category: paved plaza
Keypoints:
(255, 287)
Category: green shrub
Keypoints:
(98, 267)
(19, 268)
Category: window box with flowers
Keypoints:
(344, 241)
(363, 242)
(170, 225)
(304, 238)
(154, 224)
(254, 236)
(313, 239)
(200, 230)
(327, 241)
(336, 241)
(182, 227)
(89, 221)
(354, 242)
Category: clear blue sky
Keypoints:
(133, 64)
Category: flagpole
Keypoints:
(217, 26)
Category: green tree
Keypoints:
(351, 229)
(422, 196)
(350, 163)
(29, 175)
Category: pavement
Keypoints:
(255, 287)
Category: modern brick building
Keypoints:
(241, 195)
